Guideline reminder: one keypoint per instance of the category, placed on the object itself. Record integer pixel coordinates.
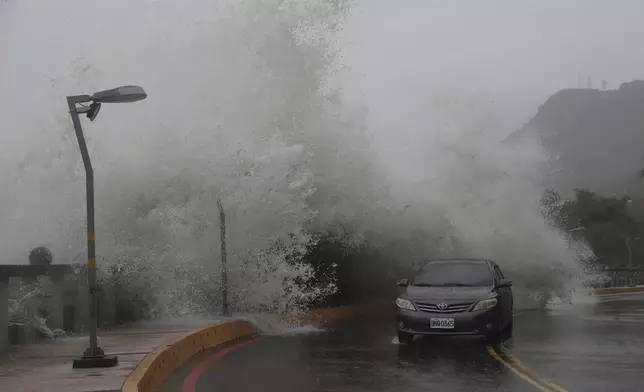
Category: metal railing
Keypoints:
(622, 277)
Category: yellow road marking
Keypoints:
(521, 375)
(526, 369)
(91, 263)
(90, 236)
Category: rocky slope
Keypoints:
(595, 139)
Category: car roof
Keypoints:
(461, 260)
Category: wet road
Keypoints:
(593, 347)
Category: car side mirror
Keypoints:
(404, 282)
(504, 283)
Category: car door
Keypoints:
(505, 294)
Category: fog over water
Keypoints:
(379, 123)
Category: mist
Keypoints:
(380, 125)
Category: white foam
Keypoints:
(299, 330)
(273, 324)
(237, 111)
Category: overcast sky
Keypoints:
(520, 52)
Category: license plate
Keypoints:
(442, 323)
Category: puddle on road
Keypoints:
(301, 330)
(274, 325)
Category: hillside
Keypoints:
(595, 139)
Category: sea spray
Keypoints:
(263, 105)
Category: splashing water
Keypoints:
(249, 103)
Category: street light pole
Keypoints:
(93, 351)
(94, 357)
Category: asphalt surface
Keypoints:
(592, 347)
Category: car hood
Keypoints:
(449, 294)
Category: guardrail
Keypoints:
(626, 277)
(621, 277)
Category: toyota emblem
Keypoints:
(442, 306)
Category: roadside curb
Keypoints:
(150, 373)
(616, 290)
(162, 361)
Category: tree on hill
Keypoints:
(603, 222)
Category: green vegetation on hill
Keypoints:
(604, 223)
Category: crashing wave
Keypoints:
(250, 104)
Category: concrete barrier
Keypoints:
(160, 363)
(616, 290)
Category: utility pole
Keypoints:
(630, 253)
(224, 268)
(630, 257)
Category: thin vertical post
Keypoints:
(224, 267)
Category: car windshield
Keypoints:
(455, 274)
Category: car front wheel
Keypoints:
(493, 338)
(509, 329)
(406, 338)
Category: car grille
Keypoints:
(451, 308)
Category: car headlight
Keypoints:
(405, 304)
(486, 304)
